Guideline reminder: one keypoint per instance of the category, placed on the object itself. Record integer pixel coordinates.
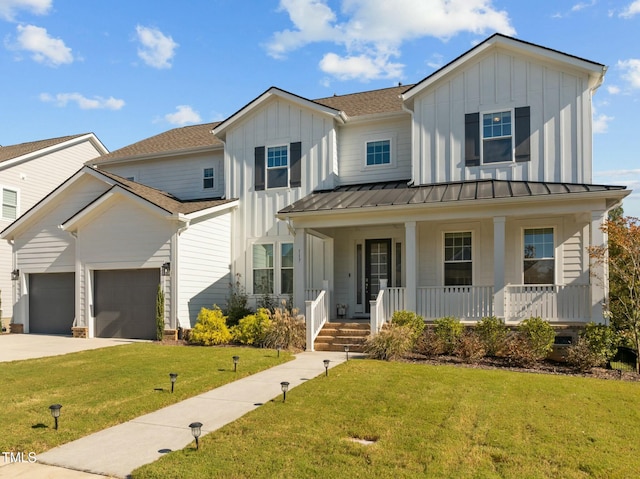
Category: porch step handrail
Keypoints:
(377, 316)
(316, 315)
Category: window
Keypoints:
(286, 268)
(9, 204)
(497, 145)
(263, 269)
(207, 178)
(539, 263)
(378, 152)
(277, 167)
(457, 259)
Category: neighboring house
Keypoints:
(28, 172)
(467, 194)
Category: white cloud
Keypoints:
(373, 30)
(630, 71)
(436, 62)
(44, 48)
(631, 10)
(582, 5)
(156, 49)
(9, 8)
(601, 123)
(613, 89)
(183, 116)
(95, 103)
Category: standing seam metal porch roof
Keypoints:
(399, 193)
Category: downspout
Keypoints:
(175, 266)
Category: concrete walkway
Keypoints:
(117, 451)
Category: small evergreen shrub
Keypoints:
(429, 343)
(392, 342)
(410, 319)
(252, 329)
(237, 303)
(581, 357)
(286, 330)
(160, 314)
(449, 330)
(540, 335)
(597, 344)
(210, 328)
(493, 333)
(470, 347)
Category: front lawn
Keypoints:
(426, 421)
(104, 387)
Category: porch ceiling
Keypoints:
(400, 193)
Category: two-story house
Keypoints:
(468, 194)
(28, 171)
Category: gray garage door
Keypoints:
(51, 303)
(125, 303)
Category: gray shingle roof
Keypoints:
(399, 193)
(386, 100)
(11, 152)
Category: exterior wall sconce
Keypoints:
(15, 275)
(166, 269)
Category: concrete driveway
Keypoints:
(14, 347)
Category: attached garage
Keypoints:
(125, 303)
(51, 303)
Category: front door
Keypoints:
(377, 266)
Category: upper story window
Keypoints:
(378, 152)
(277, 166)
(539, 262)
(497, 140)
(458, 264)
(208, 178)
(9, 204)
(497, 137)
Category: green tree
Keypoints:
(622, 254)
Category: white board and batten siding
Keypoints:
(279, 122)
(204, 252)
(560, 116)
(180, 176)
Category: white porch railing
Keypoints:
(553, 303)
(469, 303)
(393, 301)
(316, 313)
(377, 310)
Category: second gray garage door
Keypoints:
(125, 303)
(51, 303)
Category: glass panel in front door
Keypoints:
(377, 267)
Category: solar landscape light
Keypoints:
(326, 367)
(346, 350)
(196, 430)
(55, 412)
(173, 377)
(235, 363)
(285, 387)
(279, 348)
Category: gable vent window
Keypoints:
(9, 204)
(208, 178)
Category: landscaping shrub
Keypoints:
(597, 344)
(286, 330)
(540, 335)
(268, 301)
(210, 328)
(449, 330)
(237, 303)
(159, 314)
(518, 351)
(493, 333)
(470, 347)
(252, 329)
(410, 319)
(392, 342)
(429, 343)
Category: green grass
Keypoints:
(428, 421)
(104, 387)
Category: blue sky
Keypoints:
(127, 70)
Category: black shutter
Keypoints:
(472, 139)
(258, 172)
(523, 133)
(295, 172)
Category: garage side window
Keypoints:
(9, 204)
(263, 269)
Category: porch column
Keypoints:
(299, 268)
(411, 266)
(599, 274)
(498, 266)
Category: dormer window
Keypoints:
(497, 139)
(208, 178)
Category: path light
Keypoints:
(55, 412)
(285, 387)
(196, 430)
(173, 377)
(326, 367)
(346, 350)
(235, 363)
(279, 348)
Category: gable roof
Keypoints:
(386, 100)
(182, 140)
(595, 70)
(17, 152)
